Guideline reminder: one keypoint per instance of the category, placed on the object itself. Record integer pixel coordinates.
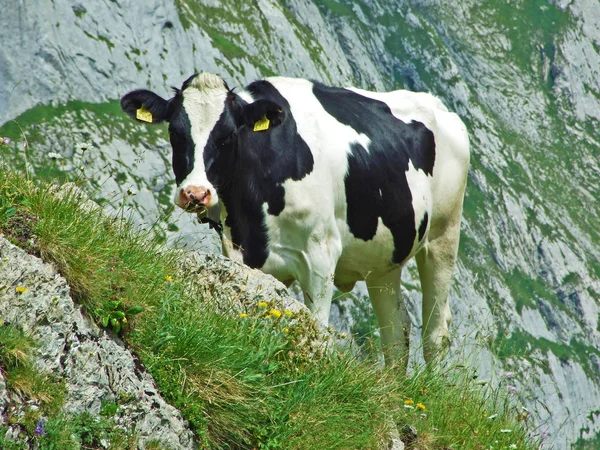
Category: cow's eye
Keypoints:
(227, 139)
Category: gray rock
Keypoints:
(4, 398)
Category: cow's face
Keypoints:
(205, 119)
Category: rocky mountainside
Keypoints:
(525, 77)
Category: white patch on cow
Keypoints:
(203, 101)
(246, 96)
(311, 119)
(419, 184)
(408, 106)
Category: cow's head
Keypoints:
(206, 120)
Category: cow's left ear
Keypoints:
(146, 106)
(263, 114)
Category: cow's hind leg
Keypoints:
(392, 316)
(436, 265)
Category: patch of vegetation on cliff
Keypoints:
(35, 403)
(232, 23)
(520, 344)
(35, 125)
(592, 443)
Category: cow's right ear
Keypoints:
(145, 106)
(263, 114)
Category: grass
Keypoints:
(249, 378)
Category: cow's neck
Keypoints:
(262, 164)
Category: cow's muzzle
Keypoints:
(194, 198)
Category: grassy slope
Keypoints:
(242, 382)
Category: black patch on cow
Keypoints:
(376, 184)
(180, 135)
(423, 226)
(249, 168)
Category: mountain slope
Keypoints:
(523, 75)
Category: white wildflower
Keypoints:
(54, 155)
(83, 146)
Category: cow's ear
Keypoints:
(263, 114)
(145, 106)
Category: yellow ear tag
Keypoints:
(262, 124)
(144, 115)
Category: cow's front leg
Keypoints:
(316, 279)
(318, 292)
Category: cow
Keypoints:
(327, 186)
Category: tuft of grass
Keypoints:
(15, 347)
(253, 379)
(16, 350)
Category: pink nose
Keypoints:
(194, 196)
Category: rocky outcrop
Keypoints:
(95, 366)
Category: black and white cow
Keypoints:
(327, 186)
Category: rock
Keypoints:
(396, 444)
(4, 398)
(409, 434)
(237, 281)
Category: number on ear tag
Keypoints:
(144, 115)
(262, 124)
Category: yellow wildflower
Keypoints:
(286, 330)
(21, 289)
(288, 313)
(243, 315)
(169, 279)
(275, 313)
(262, 304)
(421, 406)
(409, 401)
